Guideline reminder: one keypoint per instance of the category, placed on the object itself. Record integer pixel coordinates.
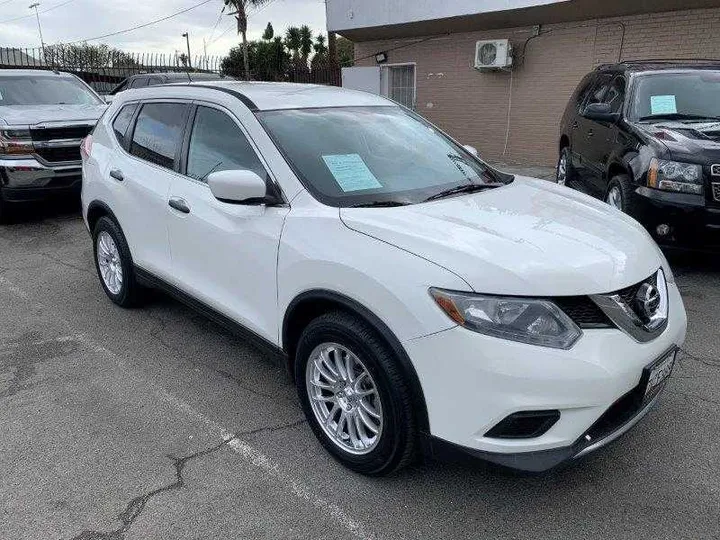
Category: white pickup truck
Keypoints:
(44, 115)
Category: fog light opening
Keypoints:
(663, 229)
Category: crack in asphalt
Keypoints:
(137, 505)
(711, 362)
(240, 384)
(65, 263)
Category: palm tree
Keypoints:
(292, 40)
(306, 42)
(240, 7)
(319, 45)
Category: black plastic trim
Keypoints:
(357, 308)
(150, 280)
(538, 423)
(249, 103)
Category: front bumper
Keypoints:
(30, 180)
(694, 220)
(471, 382)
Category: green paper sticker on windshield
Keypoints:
(663, 105)
(350, 172)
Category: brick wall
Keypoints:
(475, 107)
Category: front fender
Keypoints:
(318, 252)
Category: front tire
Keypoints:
(620, 194)
(114, 264)
(354, 395)
(564, 173)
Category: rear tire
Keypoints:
(343, 338)
(114, 263)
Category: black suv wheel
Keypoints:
(564, 172)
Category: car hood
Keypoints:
(31, 115)
(529, 238)
(695, 140)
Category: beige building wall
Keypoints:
(477, 108)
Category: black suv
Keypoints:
(645, 137)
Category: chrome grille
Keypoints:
(716, 191)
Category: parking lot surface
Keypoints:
(156, 423)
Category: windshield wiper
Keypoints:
(380, 204)
(465, 188)
(678, 116)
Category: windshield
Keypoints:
(350, 156)
(45, 90)
(692, 96)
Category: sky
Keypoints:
(75, 20)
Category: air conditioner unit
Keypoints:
(493, 54)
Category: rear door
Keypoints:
(224, 254)
(142, 175)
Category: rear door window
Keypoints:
(158, 133)
(122, 122)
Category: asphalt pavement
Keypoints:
(155, 423)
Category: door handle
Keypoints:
(575, 125)
(590, 133)
(179, 204)
(117, 175)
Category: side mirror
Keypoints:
(601, 112)
(108, 98)
(238, 186)
(471, 149)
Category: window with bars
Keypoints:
(398, 84)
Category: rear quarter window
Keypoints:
(122, 122)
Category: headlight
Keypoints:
(537, 322)
(675, 176)
(15, 142)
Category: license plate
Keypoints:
(657, 374)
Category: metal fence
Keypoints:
(104, 69)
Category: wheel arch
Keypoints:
(310, 304)
(564, 142)
(96, 210)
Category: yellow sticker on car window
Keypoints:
(350, 172)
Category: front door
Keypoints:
(584, 139)
(224, 254)
(604, 138)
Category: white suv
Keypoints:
(422, 300)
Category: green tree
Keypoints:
(306, 43)
(240, 7)
(345, 51)
(83, 56)
(292, 41)
(320, 58)
(268, 60)
(269, 32)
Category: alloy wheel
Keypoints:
(614, 198)
(344, 398)
(562, 170)
(108, 258)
